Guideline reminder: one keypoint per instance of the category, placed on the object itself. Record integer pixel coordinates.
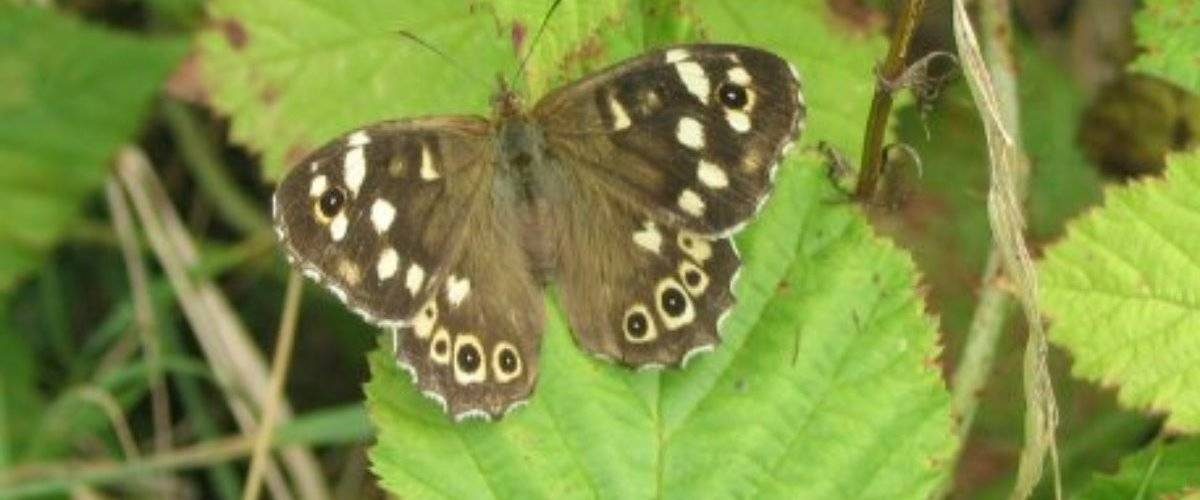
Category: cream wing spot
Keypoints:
(382, 215)
(690, 202)
(387, 264)
(428, 171)
(673, 304)
(738, 120)
(506, 362)
(425, 320)
(414, 278)
(354, 169)
(711, 175)
(457, 289)
(357, 139)
(469, 366)
(699, 249)
(349, 272)
(694, 79)
(638, 325)
(318, 186)
(738, 75)
(620, 116)
(649, 238)
(690, 133)
(338, 226)
(676, 55)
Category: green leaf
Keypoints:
(1156, 472)
(1121, 293)
(294, 74)
(826, 384)
(70, 95)
(1169, 39)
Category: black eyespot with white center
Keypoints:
(638, 325)
(468, 358)
(673, 302)
(506, 362)
(331, 202)
(732, 95)
(674, 307)
(469, 361)
(469, 365)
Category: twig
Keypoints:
(43, 479)
(116, 417)
(279, 369)
(143, 311)
(236, 361)
(993, 86)
(881, 104)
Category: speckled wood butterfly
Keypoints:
(622, 188)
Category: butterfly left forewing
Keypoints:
(374, 215)
(691, 133)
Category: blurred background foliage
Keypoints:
(79, 78)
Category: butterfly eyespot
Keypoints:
(330, 203)
(733, 96)
(694, 278)
(468, 360)
(673, 302)
(506, 362)
(638, 325)
(439, 349)
(674, 307)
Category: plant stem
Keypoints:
(211, 175)
(279, 366)
(881, 104)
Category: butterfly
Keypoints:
(622, 189)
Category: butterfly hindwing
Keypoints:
(637, 291)
(473, 346)
(375, 214)
(692, 133)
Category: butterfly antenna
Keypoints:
(536, 36)
(453, 63)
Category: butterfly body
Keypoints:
(621, 189)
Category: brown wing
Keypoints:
(692, 133)
(637, 291)
(400, 222)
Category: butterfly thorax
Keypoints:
(523, 183)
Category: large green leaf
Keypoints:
(1167, 471)
(70, 95)
(827, 382)
(1122, 293)
(1168, 36)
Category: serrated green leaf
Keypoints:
(826, 384)
(1156, 472)
(1169, 38)
(1123, 296)
(70, 95)
(290, 89)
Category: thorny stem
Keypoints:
(881, 104)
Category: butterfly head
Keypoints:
(507, 103)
